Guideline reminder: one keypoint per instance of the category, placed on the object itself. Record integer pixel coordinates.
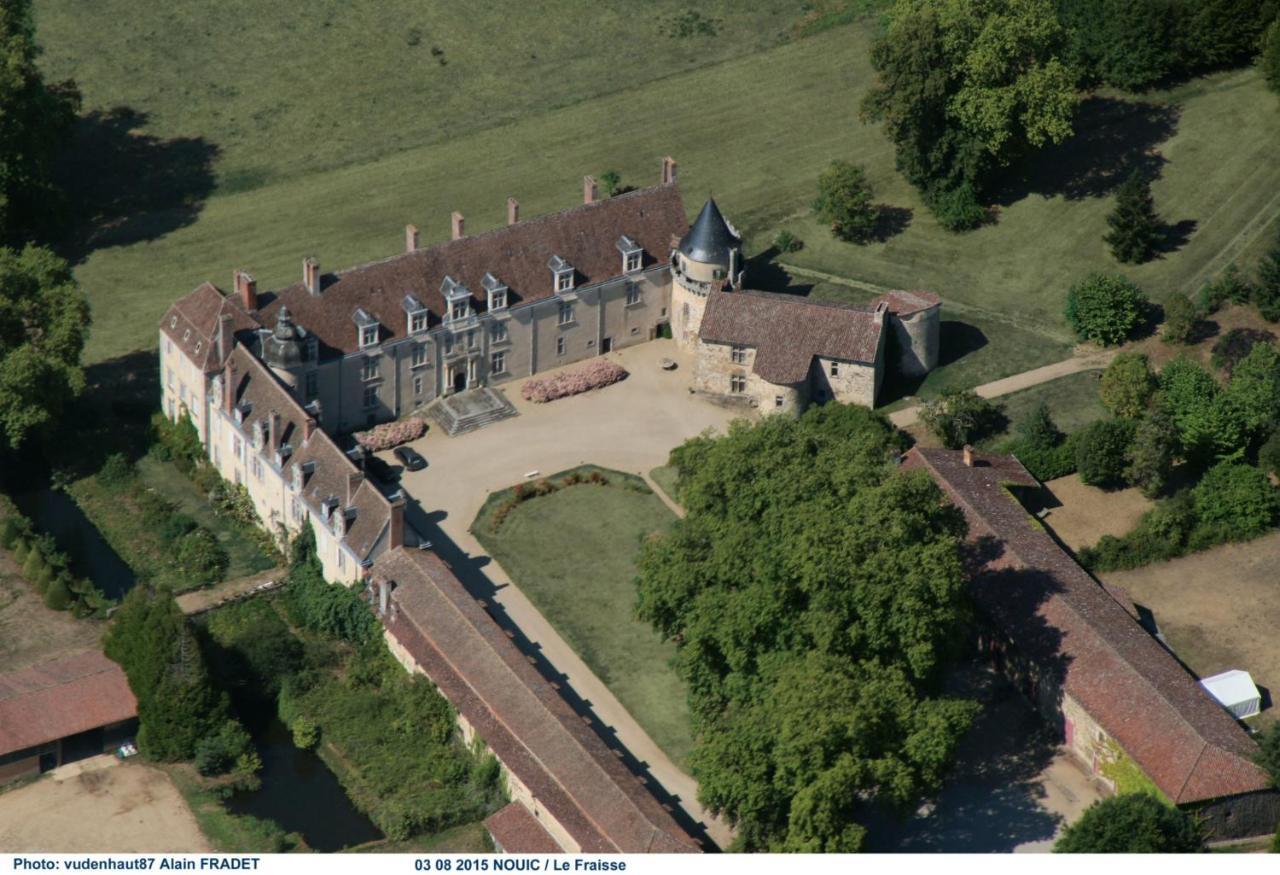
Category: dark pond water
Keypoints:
(302, 795)
(91, 556)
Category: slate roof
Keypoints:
(191, 322)
(787, 331)
(259, 393)
(521, 717)
(1058, 615)
(517, 831)
(516, 255)
(710, 238)
(51, 700)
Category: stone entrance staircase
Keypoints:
(467, 411)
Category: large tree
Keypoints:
(815, 593)
(44, 320)
(1134, 823)
(35, 120)
(967, 86)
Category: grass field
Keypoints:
(330, 152)
(1073, 402)
(573, 554)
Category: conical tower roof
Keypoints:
(710, 238)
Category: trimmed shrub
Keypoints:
(36, 570)
(958, 208)
(1102, 452)
(787, 242)
(11, 531)
(116, 472)
(1179, 320)
(596, 374)
(1233, 346)
(1105, 308)
(1128, 384)
(1234, 502)
(306, 734)
(1230, 286)
(1045, 463)
(58, 594)
(391, 434)
(1037, 429)
(959, 418)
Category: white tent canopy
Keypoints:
(1235, 691)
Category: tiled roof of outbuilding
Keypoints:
(51, 700)
(517, 255)
(517, 831)
(1058, 615)
(787, 331)
(528, 725)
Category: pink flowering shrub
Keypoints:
(391, 434)
(594, 375)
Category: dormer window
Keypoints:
(457, 299)
(563, 273)
(417, 314)
(496, 291)
(367, 326)
(632, 254)
(173, 322)
(186, 335)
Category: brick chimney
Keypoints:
(246, 289)
(395, 532)
(410, 238)
(311, 274)
(225, 337)
(668, 170)
(968, 455)
(458, 223)
(354, 479)
(590, 193)
(513, 211)
(229, 385)
(309, 426)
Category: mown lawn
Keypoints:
(1073, 401)
(573, 554)
(753, 115)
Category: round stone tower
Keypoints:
(282, 350)
(708, 258)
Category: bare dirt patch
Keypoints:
(1218, 609)
(30, 632)
(1207, 332)
(101, 807)
(1087, 513)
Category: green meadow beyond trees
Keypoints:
(816, 593)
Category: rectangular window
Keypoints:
(368, 335)
(370, 396)
(559, 346)
(564, 281)
(459, 310)
(471, 340)
(238, 448)
(170, 377)
(418, 321)
(417, 385)
(342, 560)
(311, 385)
(498, 363)
(739, 355)
(498, 332)
(633, 293)
(418, 356)
(835, 369)
(499, 300)
(632, 261)
(737, 384)
(257, 468)
(369, 369)
(777, 400)
(448, 343)
(566, 312)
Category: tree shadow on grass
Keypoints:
(127, 186)
(1174, 235)
(890, 222)
(1112, 139)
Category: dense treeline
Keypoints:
(1135, 44)
(815, 594)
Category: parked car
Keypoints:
(410, 458)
